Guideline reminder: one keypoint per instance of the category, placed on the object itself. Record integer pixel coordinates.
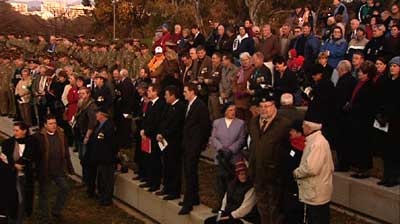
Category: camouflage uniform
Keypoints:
(7, 70)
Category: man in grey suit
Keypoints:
(227, 138)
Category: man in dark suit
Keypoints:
(102, 153)
(102, 93)
(198, 38)
(284, 79)
(195, 137)
(151, 126)
(126, 105)
(171, 131)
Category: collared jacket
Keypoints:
(43, 156)
(314, 175)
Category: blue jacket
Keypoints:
(311, 48)
(337, 50)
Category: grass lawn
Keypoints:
(82, 210)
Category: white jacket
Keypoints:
(314, 175)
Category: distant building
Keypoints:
(20, 7)
(52, 9)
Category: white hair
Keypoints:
(344, 66)
(124, 72)
(245, 55)
(287, 99)
(312, 125)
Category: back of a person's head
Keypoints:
(287, 99)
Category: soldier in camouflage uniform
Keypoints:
(7, 69)
(41, 46)
(4, 84)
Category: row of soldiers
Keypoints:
(129, 53)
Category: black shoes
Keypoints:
(360, 176)
(144, 185)
(170, 197)
(153, 189)
(388, 183)
(181, 203)
(185, 210)
(160, 193)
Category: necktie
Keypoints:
(150, 105)
(264, 124)
(187, 111)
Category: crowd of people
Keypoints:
(273, 106)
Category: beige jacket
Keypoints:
(314, 175)
(23, 90)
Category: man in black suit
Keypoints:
(198, 38)
(151, 127)
(196, 132)
(171, 131)
(102, 154)
(126, 105)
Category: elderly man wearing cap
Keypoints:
(314, 175)
(391, 116)
(102, 155)
(269, 133)
(102, 93)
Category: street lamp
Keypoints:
(114, 19)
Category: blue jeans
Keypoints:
(21, 201)
(82, 149)
(61, 197)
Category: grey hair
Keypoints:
(344, 65)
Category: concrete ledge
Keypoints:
(129, 192)
(366, 197)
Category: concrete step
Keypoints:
(366, 197)
(165, 212)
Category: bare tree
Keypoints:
(255, 6)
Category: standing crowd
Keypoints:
(272, 104)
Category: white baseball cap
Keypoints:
(158, 50)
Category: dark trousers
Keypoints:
(172, 167)
(21, 184)
(361, 145)
(391, 158)
(82, 149)
(317, 214)
(223, 179)
(213, 220)
(91, 176)
(191, 175)
(124, 131)
(42, 112)
(153, 166)
(140, 160)
(293, 209)
(342, 145)
(269, 204)
(61, 197)
(105, 182)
